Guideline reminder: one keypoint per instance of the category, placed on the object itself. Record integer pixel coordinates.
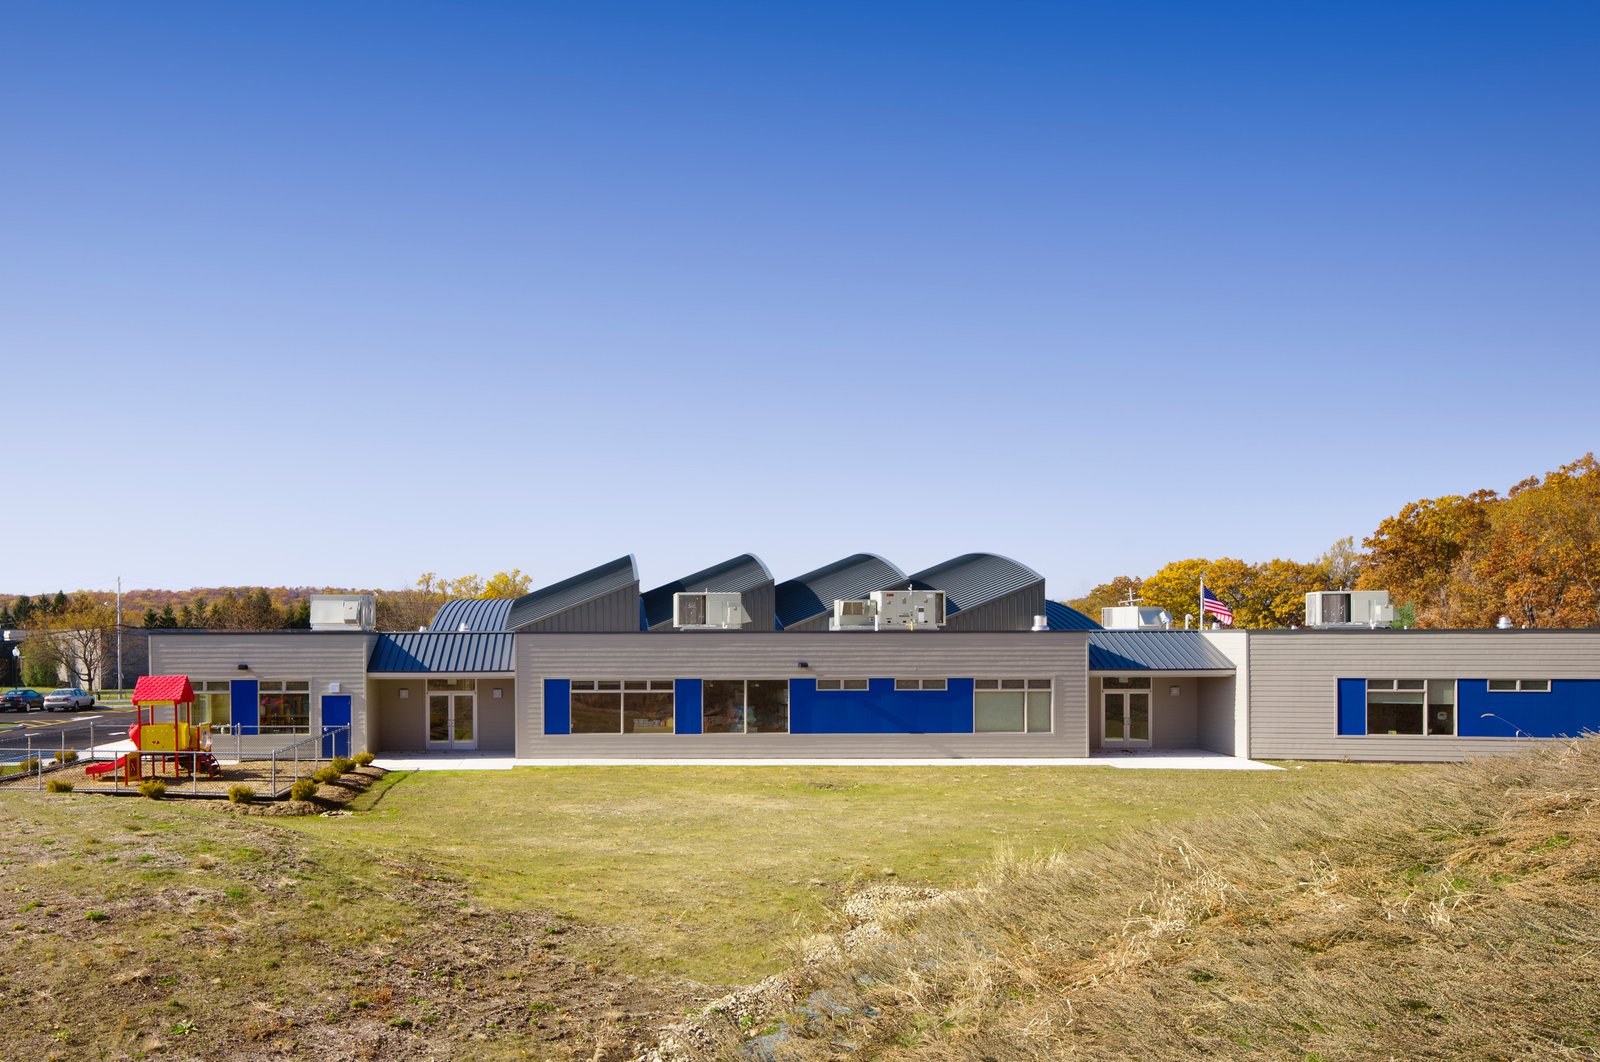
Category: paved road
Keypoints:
(46, 730)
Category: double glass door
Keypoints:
(452, 721)
(1127, 719)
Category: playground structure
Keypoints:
(163, 732)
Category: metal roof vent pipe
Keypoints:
(1041, 623)
(1504, 623)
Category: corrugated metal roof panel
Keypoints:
(479, 614)
(811, 595)
(585, 586)
(1064, 617)
(439, 652)
(1154, 651)
(974, 579)
(740, 575)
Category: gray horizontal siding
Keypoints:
(1294, 698)
(320, 657)
(1063, 657)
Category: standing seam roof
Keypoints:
(429, 651)
(585, 586)
(1154, 651)
(974, 579)
(479, 614)
(1063, 617)
(739, 574)
(811, 595)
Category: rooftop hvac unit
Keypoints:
(1134, 618)
(709, 610)
(910, 610)
(343, 612)
(1349, 608)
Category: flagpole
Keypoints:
(1202, 602)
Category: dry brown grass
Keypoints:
(1450, 914)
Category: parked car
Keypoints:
(68, 700)
(21, 700)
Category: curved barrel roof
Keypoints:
(600, 581)
(473, 613)
(1064, 617)
(805, 597)
(742, 574)
(974, 579)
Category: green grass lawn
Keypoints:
(707, 872)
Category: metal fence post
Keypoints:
(274, 773)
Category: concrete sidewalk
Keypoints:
(1161, 759)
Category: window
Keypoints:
(455, 685)
(836, 685)
(213, 702)
(745, 706)
(622, 706)
(1519, 685)
(1011, 706)
(1411, 706)
(285, 706)
(1111, 682)
(921, 684)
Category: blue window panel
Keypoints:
(880, 709)
(1352, 706)
(336, 713)
(1571, 707)
(244, 704)
(558, 706)
(687, 705)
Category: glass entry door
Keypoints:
(452, 721)
(1126, 720)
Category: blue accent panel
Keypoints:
(687, 705)
(336, 712)
(1352, 707)
(1571, 707)
(880, 709)
(558, 706)
(245, 707)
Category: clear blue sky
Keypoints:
(339, 293)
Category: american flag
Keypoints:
(1209, 603)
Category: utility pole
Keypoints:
(119, 634)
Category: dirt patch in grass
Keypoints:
(156, 929)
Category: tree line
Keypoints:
(1531, 554)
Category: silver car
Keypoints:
(68, 700)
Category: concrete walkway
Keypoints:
(1155, 759)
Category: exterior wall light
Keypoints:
(244, 667)
(801, 663)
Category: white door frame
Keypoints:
(1122, 696)
(452, 706)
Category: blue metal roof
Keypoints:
(740, 574)
(585, 586)
(478, 614)
(1066, 618)
(974, 579)
(438, 652)
(1154, 651)
(811, 595)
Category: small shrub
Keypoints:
(29, 765)
(342, 764)
(241, 793)
(304, 789)
(364, 759)
(154, 788)
(96, 916)
(58, 785)
(69, 756)
(326, 775)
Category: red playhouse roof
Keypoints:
(160, 688)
